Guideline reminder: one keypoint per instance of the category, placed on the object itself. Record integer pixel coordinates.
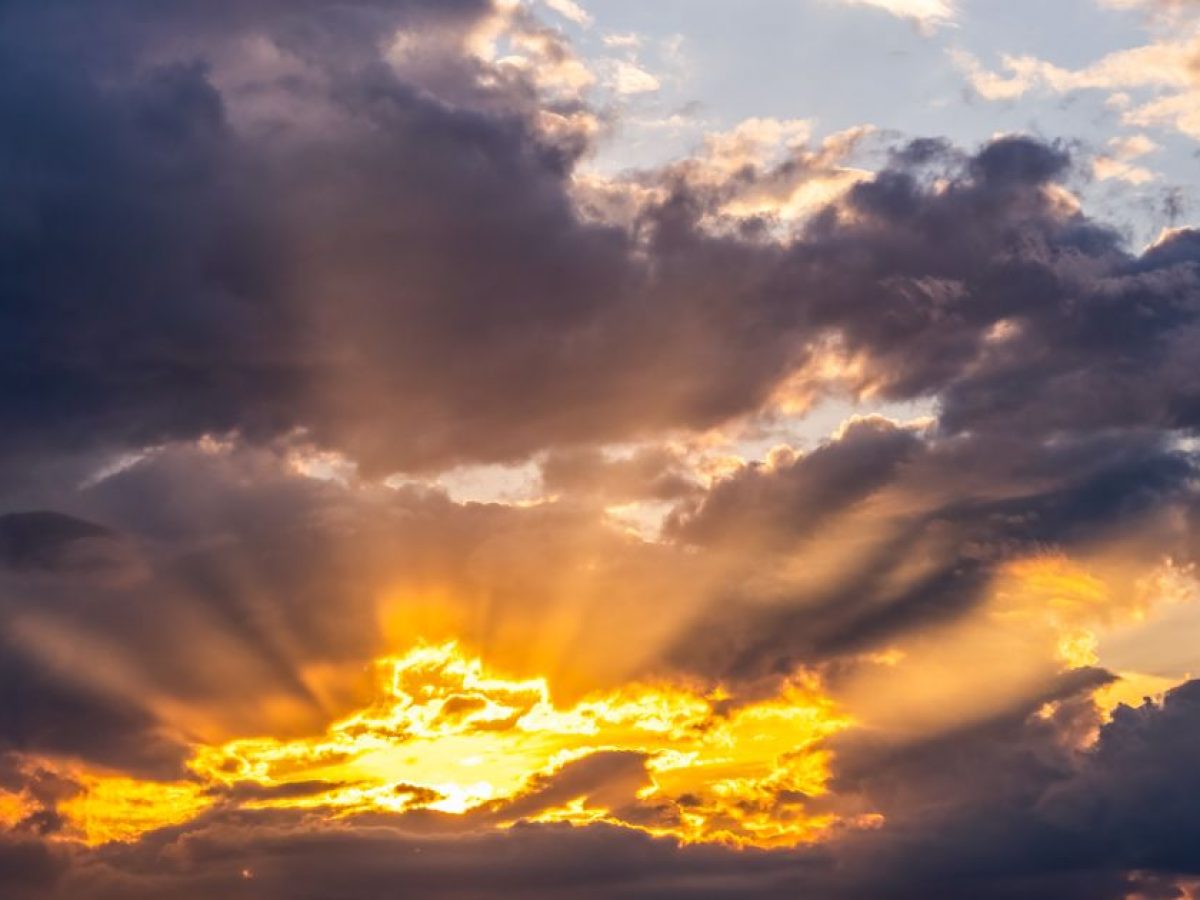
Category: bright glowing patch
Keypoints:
(1056, 593)
(447, 736)
(13, 809)
(115, 808)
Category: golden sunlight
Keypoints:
(446, 736)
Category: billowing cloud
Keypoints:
(256, 243)
(270, 270)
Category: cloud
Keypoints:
(928, 13)
(1162, 74)
(252, 543)
(257, 257)
(888, 535)
(1007, 809)
(1129, 795)
(650, 473)
(571, 11)
(535, 861)
(53, 542)
(1118, 162)
(237, 314)
(630, 78)
(51, 713)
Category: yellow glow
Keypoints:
(116, 808)
(445, 734)
(1078, 650)
(1053, 589)
(1133, 689)
(13, 809)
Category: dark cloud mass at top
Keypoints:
(238, 234)
(170, 271)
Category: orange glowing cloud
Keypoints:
(447, 736)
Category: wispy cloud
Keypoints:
(928, 13)
(630, 78)
(1156, 84)
(572, 11)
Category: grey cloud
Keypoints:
(1010, 809)
(29, 867)
(413, 284)
(49, 713)
(957, 508)
(794, 499)
(605, 779)
(1133, 796)
(648, 474)
(51, 541)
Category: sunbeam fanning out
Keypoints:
(579, 450)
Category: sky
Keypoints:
(594, 449)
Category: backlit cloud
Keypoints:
(401, 487)
(928, 13)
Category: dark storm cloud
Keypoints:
(1135, 792)
(962, 806)
(1009, 809)
(1020, 314)
(404, 275)
(122, 214)
(29, 867)
(145, 294)
(1038, 319)
(548, 862)
(118, 33)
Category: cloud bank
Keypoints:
(270, 270)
